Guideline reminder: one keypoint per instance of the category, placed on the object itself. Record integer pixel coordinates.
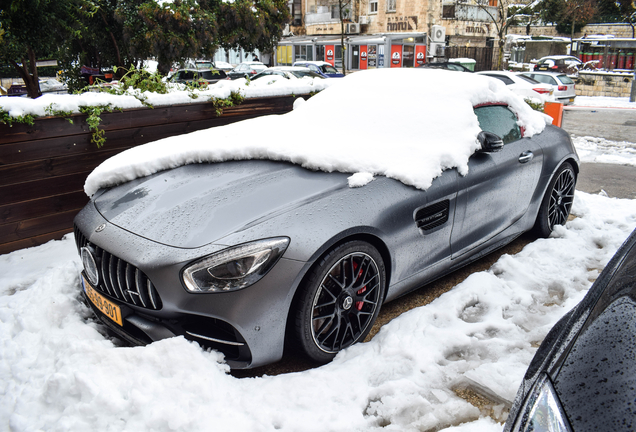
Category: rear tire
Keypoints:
(340, 300)
(557, 202)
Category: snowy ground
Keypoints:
(59, 372)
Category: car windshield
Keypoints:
(329, 69)
(203, 65)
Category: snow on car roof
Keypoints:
(315, 62)
(407, 124)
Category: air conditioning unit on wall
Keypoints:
(438, 33)
(363, 19)
(353, 28)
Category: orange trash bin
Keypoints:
(554, 110)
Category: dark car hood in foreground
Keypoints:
(198, 204)
(589, 353)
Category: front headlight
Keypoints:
(542, 411)
(234, 268)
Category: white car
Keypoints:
(526, 87)
(562, 85)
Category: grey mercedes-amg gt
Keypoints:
(245, 256)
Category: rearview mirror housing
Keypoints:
(490, 142)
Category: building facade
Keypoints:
(384, 33)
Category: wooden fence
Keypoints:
(43, 167)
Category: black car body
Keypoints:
(246, 70)
(583, 376)
(198, 76)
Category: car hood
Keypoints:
(199, 204)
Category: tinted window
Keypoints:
(545, 79)
(212, 74)
(500, 121)
(526, 78)
(301, 74)
(565, 79)
(503, 78)
(329, 69)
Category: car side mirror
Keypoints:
(489, 142)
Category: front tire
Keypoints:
(340, 300)
(557, 202)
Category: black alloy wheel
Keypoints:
(557, 203)
(340, 301)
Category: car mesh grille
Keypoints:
(119, 279)
(432, 216)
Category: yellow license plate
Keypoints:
(108, 308)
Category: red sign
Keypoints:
(329, 54)
(396, 56)
(363, 56)
(420, 54)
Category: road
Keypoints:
(614, 124)
(615, 180)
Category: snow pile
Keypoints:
(603, 101)
(600, 150)
(178, 94)
(59, 372)
(406, 124)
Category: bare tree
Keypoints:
(508, 14)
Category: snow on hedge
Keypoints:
(177, 94)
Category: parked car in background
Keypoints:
(446, 65)
(203, 76)
(221, 65)
(288, 72)
(583, 376)
(320, 67)
(246, 70)
(209, 64)
(563, 86)
(559, 63)
(247, 256)
(522, 85)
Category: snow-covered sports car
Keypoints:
(245, 243)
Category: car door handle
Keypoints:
(526, 156)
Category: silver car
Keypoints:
(564, 87)
(247, 256)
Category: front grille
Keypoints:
(119, 279)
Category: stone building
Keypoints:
(384, 33)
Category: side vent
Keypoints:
(432, 216)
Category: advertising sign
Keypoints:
(396, 56)
(363, 57)
(372, 56)
(329, 54)
(420, 54)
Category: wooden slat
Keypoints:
(42, 188)
(33, 241)
(42, 207)
(53, 167)
(35, 227)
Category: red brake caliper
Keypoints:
(359, 304)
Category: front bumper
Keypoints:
(248, 326)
